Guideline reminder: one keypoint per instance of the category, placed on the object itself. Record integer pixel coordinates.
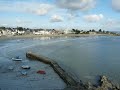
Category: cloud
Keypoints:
(74, 5)
(56, 18)
(42, 9)
(116, 5)
(27, 7)
(112, 23)
(93, 18)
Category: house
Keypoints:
(92, 33)
(4, 32)
(0, 32)
(20, 32)
(46, 32)
(36, 32)
(13, 32)
(41, 32)
(68, 31)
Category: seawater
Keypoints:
(86, 57)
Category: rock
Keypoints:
(105, 84)
(88, 86)
(117, 86)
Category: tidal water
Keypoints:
(86, 57)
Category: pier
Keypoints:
(69, 80)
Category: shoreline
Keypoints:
(61, 35)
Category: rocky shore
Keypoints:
(103, 84)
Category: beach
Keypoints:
(54, 35)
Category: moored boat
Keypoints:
(17, 59)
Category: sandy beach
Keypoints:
(56, 35)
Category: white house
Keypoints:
(0, 32)
(20, 32)
(13, 32)
(41, 32)
(36, 33)
(9, 32)
(47, 32)
(92, 33)
(5, 32)
(67, 31)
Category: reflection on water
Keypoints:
(86, 56)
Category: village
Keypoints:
(8, 31)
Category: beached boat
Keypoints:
(25, 67)
(17, 59)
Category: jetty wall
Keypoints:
(69, 80)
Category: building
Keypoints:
(0, 32)
(92, 33)
(13, 32)
(41, 32)
(20, 32)
(68, 31)
(6, 32)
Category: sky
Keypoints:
(61, 14)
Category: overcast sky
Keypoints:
(81, 14)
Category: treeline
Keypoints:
(100, 31)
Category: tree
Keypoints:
(2, 28)
(90, 30)
(103, 31)
(73, 30)
(100, 30)
(20, 28)
(93, 30)
(76, 31)
(107, 32)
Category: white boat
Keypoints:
(25, 67)
(17, 59)
(23, 73)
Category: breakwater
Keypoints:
(103, 82)
(69, 80)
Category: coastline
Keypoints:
(56, 35)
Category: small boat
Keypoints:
(41, 72)
(25, 67)
(17, 59)
(24, 73)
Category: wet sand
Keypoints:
(14, 80)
